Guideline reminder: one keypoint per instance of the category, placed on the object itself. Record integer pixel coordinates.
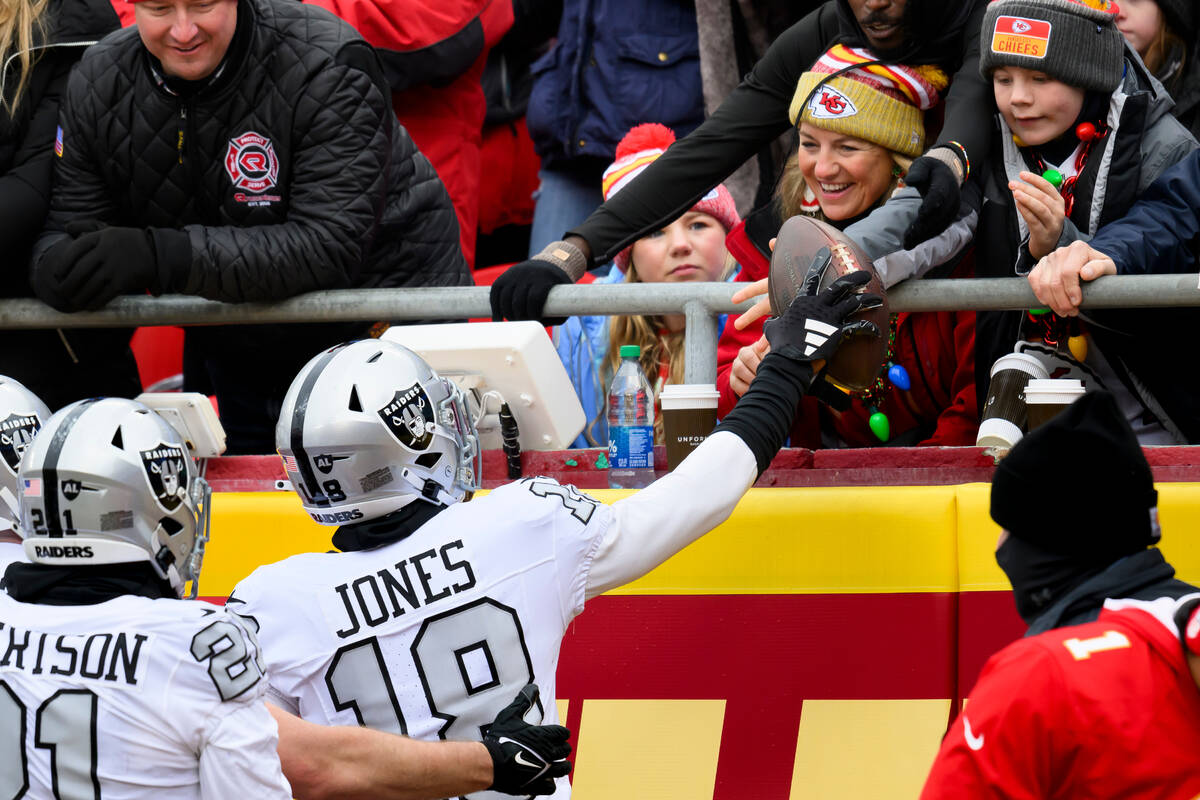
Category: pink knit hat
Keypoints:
(637, 149)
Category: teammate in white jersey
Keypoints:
(22, 414)
(436, 610)
(111, 686)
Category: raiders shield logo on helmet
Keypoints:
(166, 469)
(71, 488)
(409, 416)
(16, 434)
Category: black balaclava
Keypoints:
(1075, 495)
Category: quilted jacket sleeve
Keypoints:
(342, 179)
(79, 191)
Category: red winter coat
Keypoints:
(1103, 710)
(433, 54)
(936, 348)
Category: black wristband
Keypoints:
(764, 414)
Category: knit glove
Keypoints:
(940, 185)
(521, 291)
(101, 264)
(526, 758)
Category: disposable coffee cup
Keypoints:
(689, 413)
(1045, 398)
(1004, 417)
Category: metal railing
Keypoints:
(701, 303)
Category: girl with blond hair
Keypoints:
(690, 249)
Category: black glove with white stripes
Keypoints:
(526, 758)
(815, 323)
(808, 331)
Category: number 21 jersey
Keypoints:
(133, 699)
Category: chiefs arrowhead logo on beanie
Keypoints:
(848, 92)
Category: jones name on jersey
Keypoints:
(374, 598)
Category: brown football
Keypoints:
(858, 360)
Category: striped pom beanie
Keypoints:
(880, 103)
(641, 145)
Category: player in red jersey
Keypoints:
(1110, 709)
(1107, 709)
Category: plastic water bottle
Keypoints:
(630, 424)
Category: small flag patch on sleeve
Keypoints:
(58, 142)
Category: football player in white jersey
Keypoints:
(21, 416)
(436, 610)
(111, 686)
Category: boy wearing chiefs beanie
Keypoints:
(1083, 131)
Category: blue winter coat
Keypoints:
(614, 65)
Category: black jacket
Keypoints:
(757, 111)
(343, 198)
(1141, 576)
(27, 135)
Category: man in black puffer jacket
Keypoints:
(239, 150)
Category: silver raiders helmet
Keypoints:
(368, 427)
(108, 481)
(22, 415)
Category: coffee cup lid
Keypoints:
(1054, 391)
(1020, 361)
(689, 395)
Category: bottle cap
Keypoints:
(631, 351)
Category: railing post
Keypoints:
(700, 344)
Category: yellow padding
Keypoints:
(648, 749)
(866, 748)
(778, 541)
(820, 540)
(1178, 515)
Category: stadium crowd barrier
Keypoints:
(701, 303)
(797, 651)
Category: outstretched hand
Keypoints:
(757, 289)
(526, 758)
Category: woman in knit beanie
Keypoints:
(690, 249)
(858, 131)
